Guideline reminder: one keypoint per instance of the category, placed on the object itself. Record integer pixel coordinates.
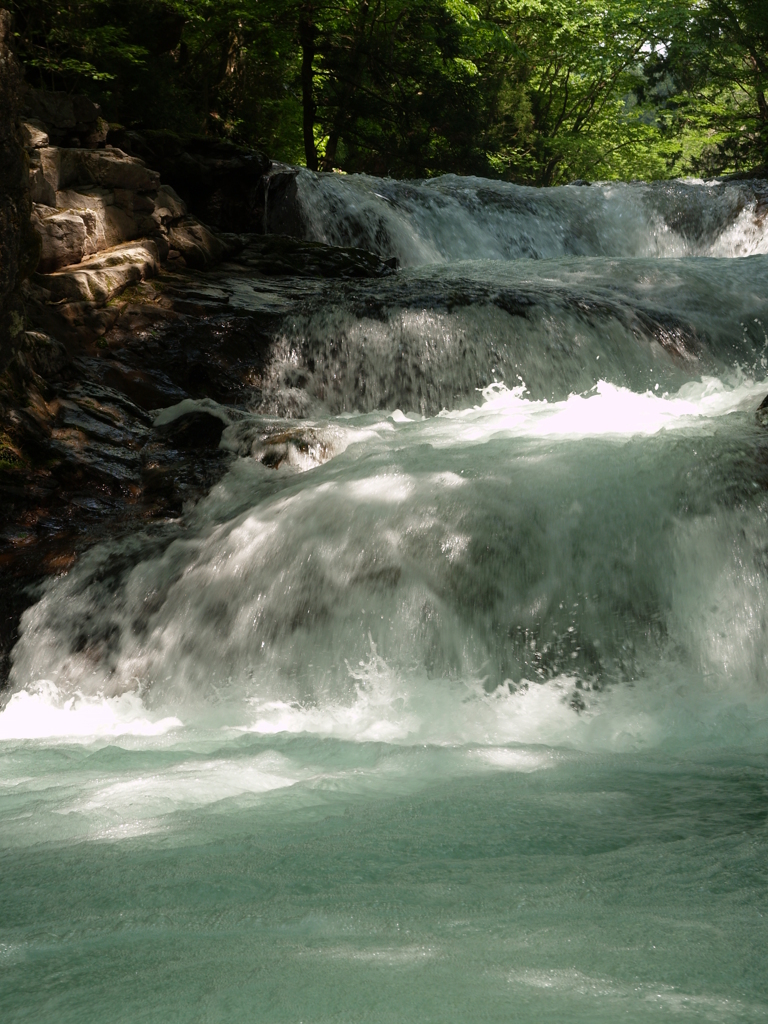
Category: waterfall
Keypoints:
(451, 218)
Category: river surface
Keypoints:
(461, 713)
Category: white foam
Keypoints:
(608, 411)
(44, 713)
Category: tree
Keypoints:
(718, 57)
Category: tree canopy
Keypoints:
(534, 91)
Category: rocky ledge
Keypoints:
(136, 306)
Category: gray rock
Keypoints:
(168, 198)
(47, 161)
(52, 108)
(63, 236)
(34, 135)
(110, 168)
(101, 277)
(40, 189)
(67, 120)
(199, 246)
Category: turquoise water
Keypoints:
(386, 884)
(458, 715)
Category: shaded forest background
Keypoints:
(532, 91)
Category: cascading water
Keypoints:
(451, 218)
(460, 713)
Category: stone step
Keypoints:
(101, 277)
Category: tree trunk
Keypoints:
(307, 37)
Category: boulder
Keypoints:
(90, 200)
(170, 200)
(282, 210)
(55, 169)
(45, 174)
(34, 135)
(199, 246)
(109, 168)
(56, 109)
(107, 223)
(196, 429)
(84, 223)
(40, 189)
(62, 235)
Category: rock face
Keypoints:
(18, 245)
(198, 429)
(103, 218)
(88, 200)
(282, 209)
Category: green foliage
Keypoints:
(536, 91)
(719, 62)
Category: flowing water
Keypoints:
(461, 713)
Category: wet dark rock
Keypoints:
(279, 254)
(47, 356)
(282, 209)
(109, 404)
(219, 357)
(198, 429)
(762, 412)
(676, 336)
(148, 390)
(278, 447)
(171, 478)
(71, 414)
